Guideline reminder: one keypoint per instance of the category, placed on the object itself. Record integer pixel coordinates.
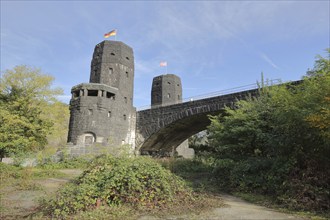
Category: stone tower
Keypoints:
(166, 90)
(102, 111)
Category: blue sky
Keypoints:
(211, 45)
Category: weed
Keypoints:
(25, 182)
(46, 173)
(108, 212)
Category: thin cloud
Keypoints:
(269, 61)
(145, 67)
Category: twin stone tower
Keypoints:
(102, 115)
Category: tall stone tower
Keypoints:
(102, 111)
(166, 90)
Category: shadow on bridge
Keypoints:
(171, 136)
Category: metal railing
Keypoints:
(217, 93)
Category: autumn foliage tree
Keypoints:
(25, 96)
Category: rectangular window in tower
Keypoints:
(109, 114)
(75, 94)
(110, 71)
(126, 74)
(125, 99)
(110, 95)
(90, 111)
(168, 95)
(92, 92)
(124, 116)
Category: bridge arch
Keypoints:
(173, 134)
(166, 127)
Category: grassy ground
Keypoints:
(22, 188)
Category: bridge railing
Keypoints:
(217, 93)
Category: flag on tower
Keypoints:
(111, 33)
(163, 63)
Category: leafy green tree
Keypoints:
(278, 143)
(24, 93)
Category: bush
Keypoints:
(67, 163)
(138, 182)
(9, 171)
(185, 166)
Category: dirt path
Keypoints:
(234, 209)
(238, 209)
(18, 204)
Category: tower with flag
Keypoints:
(101, 111)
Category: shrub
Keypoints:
(9, 171)
(138, 182)
(184, 166)
(67, 163)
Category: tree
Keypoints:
(24, 126)
(289, 121)
(278, 143)
(321, 74)
(59, 114)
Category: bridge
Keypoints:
(102, 111)
(163, 128)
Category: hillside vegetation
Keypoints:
(279, 143)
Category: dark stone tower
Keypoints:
(102, 110)
(166, 90)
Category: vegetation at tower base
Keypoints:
(28, 111)
(137, 182)
(278, 144)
